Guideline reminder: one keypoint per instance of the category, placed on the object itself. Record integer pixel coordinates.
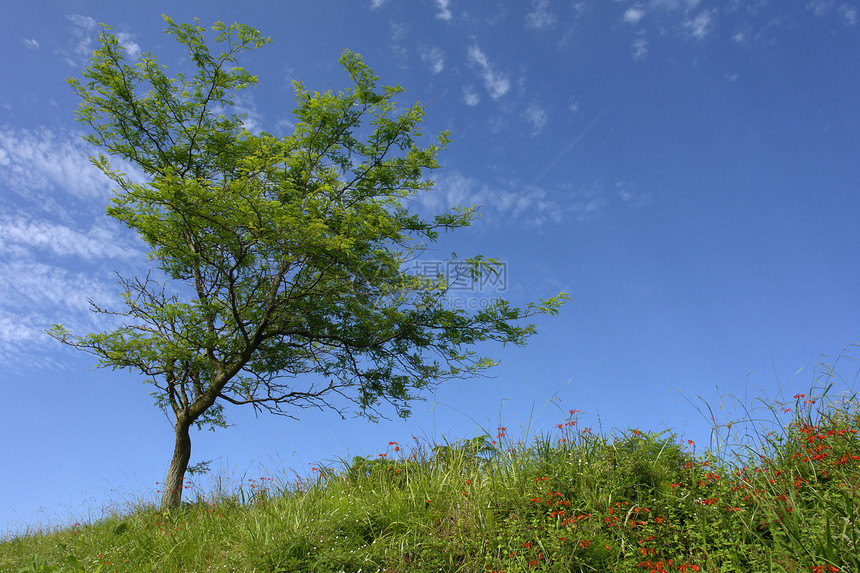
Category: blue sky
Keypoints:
(687, 170)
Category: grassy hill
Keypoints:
(786, 499)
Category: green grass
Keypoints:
(783, 496)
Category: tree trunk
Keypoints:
(173, 483)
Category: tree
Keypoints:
(279, 260)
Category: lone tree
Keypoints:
(280, 259)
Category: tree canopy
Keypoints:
(279, 276)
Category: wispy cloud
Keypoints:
(434, 57)
(640, 48)
(701, 25)
(20, 233)
(252, 120)
(34, 164)
(848, 13)
(674, 4)
(31, 43)
(374, 4)
(496, 83)
(630, 195)
(126, 40)
(42, 288)
(57, 247)
(444, 12)
(470, 97)
(540, 17)
(820, 7)
(84, 30)
(633, 15)
(35, 295)
(523, 204)
(537, 116)
(532, 205)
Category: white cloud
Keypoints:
(57, 247)
(470, 97)
(131, 47)
(35, 163)
(537, 117)
(399, 31)
(673, 4)
(31, 43)
(83, 28)
(444, 12)
(530, 204)
(18, 331)
(84, 31)
(20, 233)
(40, 287)
(820, 7)
(630, 195)
(35, 295)
(497, 84)
(434, 57)
(374, 4)
(541, 17)
(245, 105)
(633, 15)
(849, 14)
(640, 48)
(700, 26)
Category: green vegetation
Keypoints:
(570, 500)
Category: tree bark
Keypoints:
(173, 483)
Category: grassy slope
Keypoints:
(569, 501)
